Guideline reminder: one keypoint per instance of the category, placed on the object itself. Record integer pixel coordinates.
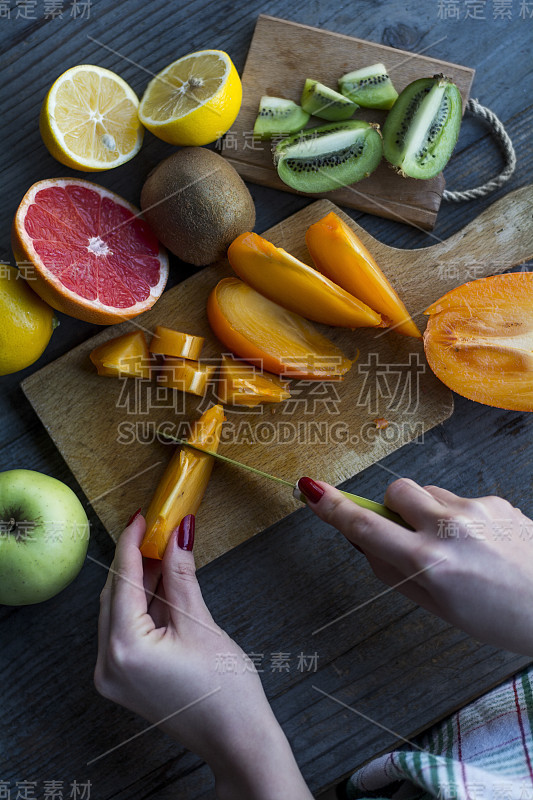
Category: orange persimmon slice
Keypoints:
(269, 336)
(241, 384)
(289, 282)
(123, 356)
(183, 483)
(187, 376)
(169, 342)
(479, 340)
(340, 255)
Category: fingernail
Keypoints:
(186, 532)
(310, 489)
(133, 517)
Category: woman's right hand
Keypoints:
(470, 561)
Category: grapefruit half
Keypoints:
(87, 252)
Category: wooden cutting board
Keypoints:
(105, 427)
(282, 55)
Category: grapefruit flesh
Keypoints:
(87, 251)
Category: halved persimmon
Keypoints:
(185, 375)
(183, 484)
(123, 356)
(289, 282)
(340, 255)
(169, 342)
(269, 336)
(242, 384)
(479, 340)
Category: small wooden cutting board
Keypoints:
(105, 427)
(282, 55)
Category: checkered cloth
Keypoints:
(483, 752)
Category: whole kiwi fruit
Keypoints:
(197, 204)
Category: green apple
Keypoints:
(44, 534)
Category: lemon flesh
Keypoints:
(194, 100)
(26, 322)
(89, 119)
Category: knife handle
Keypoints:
(377, 508)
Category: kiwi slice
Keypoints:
(370, 87)
(422, 128)
(278, 116)
(329, 157)
(326, 103)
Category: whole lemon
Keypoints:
(26, 322)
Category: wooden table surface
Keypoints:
(390, 660)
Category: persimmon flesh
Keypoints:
(123, 356)
(170, 342)
(289, 282)
(340, 255)
(241, 384)
(271, 337)
(479, 340)
(186, 375)
(183, 483)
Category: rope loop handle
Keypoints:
(506, 145)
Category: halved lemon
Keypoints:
(194, 100)
(89, 119)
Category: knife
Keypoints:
(377, 508)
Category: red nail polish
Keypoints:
(186, 532)
(134, 517)
(310, 489)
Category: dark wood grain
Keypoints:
(273, 591)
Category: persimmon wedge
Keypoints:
(169, 342)
(340, 255)
(185, 375)
(269, 336)
(183, 484)
(241, 384)
(479, 340)
(289, 282)
(123, 356)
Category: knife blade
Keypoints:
(227, 460)
(363, 502)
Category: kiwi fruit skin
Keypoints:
(370, 87)
(197, 204)
(422, 128)
(326, 103)
(329, 157)
(278, 116)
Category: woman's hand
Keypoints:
(470, 561)
(160, 654)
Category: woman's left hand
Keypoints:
(160, 654)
